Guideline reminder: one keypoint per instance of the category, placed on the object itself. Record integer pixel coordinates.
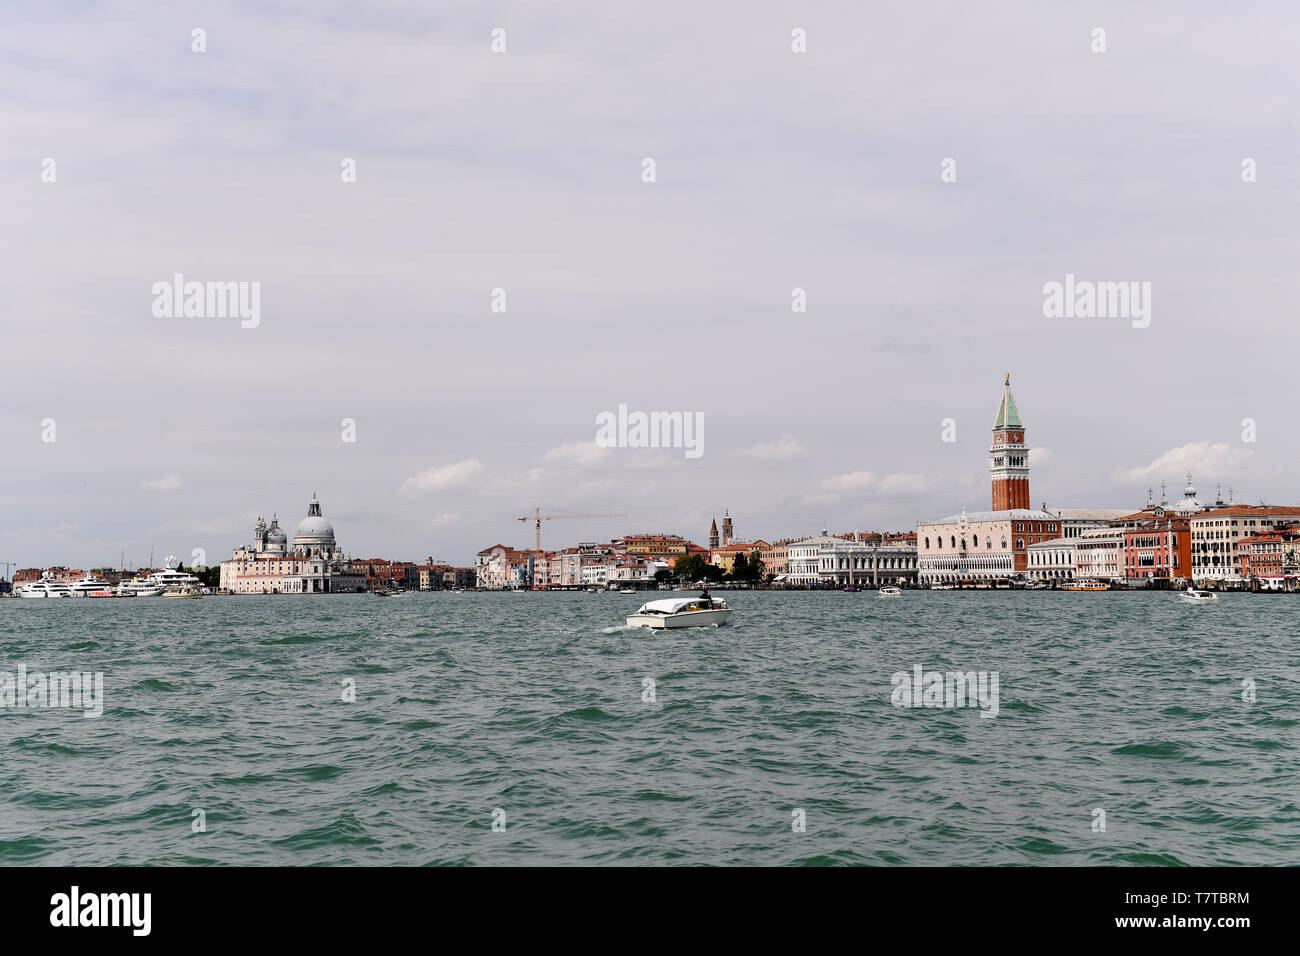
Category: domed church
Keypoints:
(312, 564)
(313, 538)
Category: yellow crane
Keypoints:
(537, 517)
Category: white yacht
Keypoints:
(138, 588)
(88, 586)
(681, 612)
(1194, 596)
(890, 591)
(171, 578)
(187, 591)
(46, 587)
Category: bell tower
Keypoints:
(1009, 456)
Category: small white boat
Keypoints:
(184, 592)
(681, 612)
(1085, 586)
(1194, 596)
(627, 591)
(890, 591)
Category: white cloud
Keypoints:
(1204, 460)
(1039, 456)
(445, 518)
(168, 482)
(898, 483)
(582, 453)
(783, 449)
(853, 481)
(448, 476)
(903, 483)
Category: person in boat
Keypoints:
(704, 596)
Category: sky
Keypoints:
(524, 171)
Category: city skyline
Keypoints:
(377, 296)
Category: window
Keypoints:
(1020, 544)
(1004, 541)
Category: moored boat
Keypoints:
(1085, 586)
(191, 591)
(46, 587)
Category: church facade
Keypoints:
(312, 563)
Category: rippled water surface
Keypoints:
(533, 704)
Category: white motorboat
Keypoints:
(890, 591)
(46, 587)
(1195, 596)
(681, 612)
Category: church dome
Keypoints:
(314, 529)
(276, 536)
(314, 526)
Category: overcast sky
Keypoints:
(522, 171)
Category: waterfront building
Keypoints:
(724, 556)
(312, 564)
(662, 547)
(500, 567)
(1157, 539)
(776, 557)
(1074, 521)
(854, 559)
(984, 546)
(1270, 559)
(1051, 560)
(1215, 534)
(1099, 554)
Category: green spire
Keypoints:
(1008, 414)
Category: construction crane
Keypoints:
(537, 517)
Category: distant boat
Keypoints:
(850, 588)
(1194, 596)
(46, 587)
(189, 592)
(1086, 586)
(890, 591)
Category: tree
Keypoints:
(740, 568)
(662, 575)
(757, 570)
(690, 567)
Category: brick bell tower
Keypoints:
(1009, 456)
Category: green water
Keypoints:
(534, 705)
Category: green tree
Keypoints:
(690, 567)
(740, 568)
